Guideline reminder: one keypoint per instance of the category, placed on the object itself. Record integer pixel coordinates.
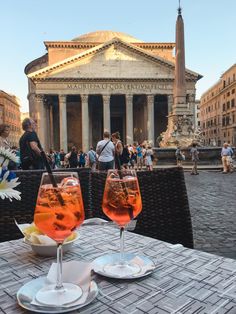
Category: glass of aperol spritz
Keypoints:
(122, 203)
(59, 211)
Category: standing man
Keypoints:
(105, 150)
(30, 147)
(194, 154)
(226, 156)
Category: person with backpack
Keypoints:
(91, 158)
(106, 151)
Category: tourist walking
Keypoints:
(81, 159)
(139, 151)
(51, 156)
(72, 157)
(118, 149)
(30, 147)
(105, 150)
(91, 158)
(226, 156)
(149, 154)
(125, 157)
(57, 160)
(62, 155)
(194, 155)
(179, 156)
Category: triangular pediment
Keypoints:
(114, 59)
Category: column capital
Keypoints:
(62, 98)
(106, 98)
(129, 98)
(39, 97)
(150, 98)
(84, 98)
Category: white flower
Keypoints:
(6, 187)
(6, 155)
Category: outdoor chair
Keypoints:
(23, 211)
(165, 214)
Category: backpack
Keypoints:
(92, 157)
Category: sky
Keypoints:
(210, 44)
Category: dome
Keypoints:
(103, 36)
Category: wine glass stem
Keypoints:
(122, 229)
(59, 266)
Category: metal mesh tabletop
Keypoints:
(185, 280)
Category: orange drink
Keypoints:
(121, 203)
(59, 210)
(122, 199)
(58, 220)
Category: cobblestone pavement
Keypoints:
(212, 198)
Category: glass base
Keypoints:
(69, 293)
(122, 269)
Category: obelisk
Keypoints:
(179, 83)
(180, 126)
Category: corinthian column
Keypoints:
(106, 113)
(129, 119)
(63, 122)
(40, 117)
(170, 103)
(85, 122)
(150, 121)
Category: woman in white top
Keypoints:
(149, 153)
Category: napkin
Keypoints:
(144, 267)
(75, 272)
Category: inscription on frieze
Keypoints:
(119, 86)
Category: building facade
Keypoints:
(103, 81)
(218, 111)
(10, 114)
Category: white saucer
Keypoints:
(145, 264)
(26, 294)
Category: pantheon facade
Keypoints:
(100, 81)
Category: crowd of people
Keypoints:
(109, 153)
